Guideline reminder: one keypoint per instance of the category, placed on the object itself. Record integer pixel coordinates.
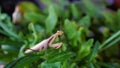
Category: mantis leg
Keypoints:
(56, 46)
(54, 36)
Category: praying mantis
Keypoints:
(43, 45)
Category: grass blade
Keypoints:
(109, 39)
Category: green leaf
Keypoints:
(106, 65)
(34, 17)
(50, 65)
(7, 41)
(21, 51)
(51, 20)
(109, 17)
(94, 51)
(23, 61)
(7, 28)
(112, 20)
(9, 48)
(117, 34)
(70, 28)
(111, 44)
(60, 57)
(118, 20)
(34, 34)
(2, 16)
(85, 49)
(91, 65)
(82, 33)
(85, 21)
(92, 8)
(75, 11)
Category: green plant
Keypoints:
(84, 46)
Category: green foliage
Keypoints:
(7, 27)
(94, 52)
(113, 39)
(85, 21)
(86, 43)
(91, 8)
(85, 49)
(24, 61)
(50, 65)
(112, 19)
(51, 20)
(32, 7)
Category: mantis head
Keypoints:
(60, 32)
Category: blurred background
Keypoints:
(91, 33)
